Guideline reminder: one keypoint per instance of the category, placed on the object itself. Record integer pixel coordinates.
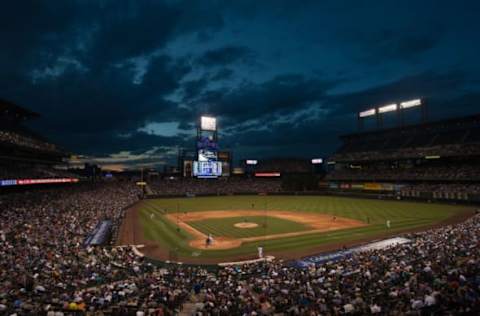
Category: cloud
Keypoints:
(222, 74)
(100, 71)
(192, 88)
(316, 131)
(105, 143)
(124, 160)
(88, 112)
(76, 63)
(225, 56)
(403, 44)
(282, 94)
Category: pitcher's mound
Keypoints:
(246, 225)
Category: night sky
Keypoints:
(125, 81)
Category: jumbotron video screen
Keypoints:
(207, 169)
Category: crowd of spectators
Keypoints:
(17, 139)
(185, 186)
(25, 171)
(436, 274)
(450, 171)
(451, 150)
(42, 257)
(452, 138)
(449, 188)
(46, 269)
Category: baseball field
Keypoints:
(231, 228)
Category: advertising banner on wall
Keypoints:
(372, 186)
(333, 185)
(345, 186)
(357, 186)
(10, 182)
(387, 187)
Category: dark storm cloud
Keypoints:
(225, 56)
(444, 93)
(34, 32)
(93, 96)
(109, 102)
(164, 75)
(97, 34)
(281, 95)
(100, 71)
(138, 28)
(193, 88)
(402, 44)
(310, 138)
(103, 144)
(222, 74)
(468, 102)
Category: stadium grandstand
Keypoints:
(194, 186)
(438, 160)
(25, 155)
(47, 269)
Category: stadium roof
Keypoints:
(7, 107)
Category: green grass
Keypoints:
(403, 216)
(225, 226)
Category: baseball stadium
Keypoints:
(250, 158)
(208, 222)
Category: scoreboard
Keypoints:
(207, 169)
(207, 164)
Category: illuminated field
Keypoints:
(296, 225)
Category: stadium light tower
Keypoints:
(405, 105)
(400, 107)
(364, 114)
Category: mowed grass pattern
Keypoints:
(403, 216)
(226, 226)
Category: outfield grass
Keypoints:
(225, 226)
(403, 216)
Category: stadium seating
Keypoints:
(444, 138)
(434, 160)
(384, 172)
(185, 186)
(10, 170)
(46, 269)
(17, 139)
